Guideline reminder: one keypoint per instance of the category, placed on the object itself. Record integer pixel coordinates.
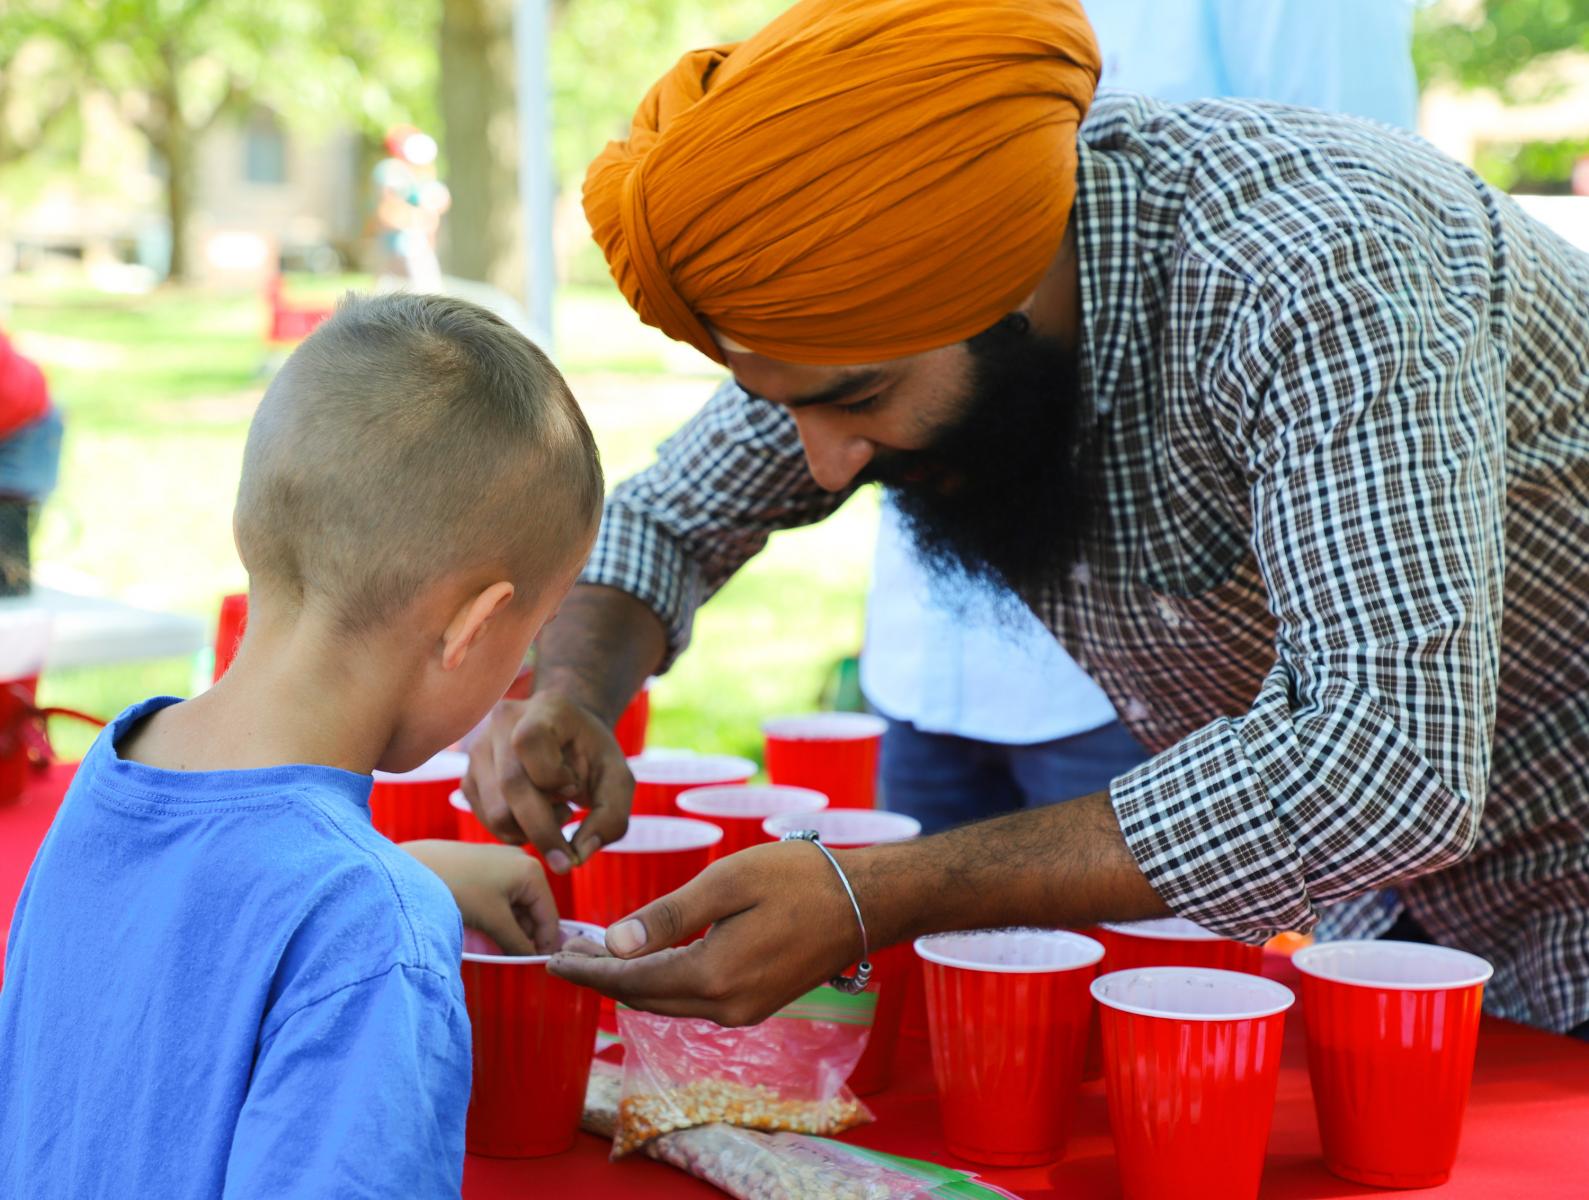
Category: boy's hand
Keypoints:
(500, 890)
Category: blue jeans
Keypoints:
(943, 780)
(30, 459)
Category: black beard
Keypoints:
(1002, 496)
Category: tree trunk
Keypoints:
(173, 139)
(177, 149)
(483, 234)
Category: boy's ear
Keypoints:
(469, 621)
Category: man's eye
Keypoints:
(856, 407)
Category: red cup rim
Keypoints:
(697, 769)
(845, 828)
(756, 802)
(824, 727)
(449, 764)
(690, 834)
(1166, 929)
(1379, 960)
(1267, 996)
(585, 929)
(1075, 950)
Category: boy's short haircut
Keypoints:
(408, 437)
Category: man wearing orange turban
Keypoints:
(861, 180)
(1268, 414)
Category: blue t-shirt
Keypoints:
(226, 983)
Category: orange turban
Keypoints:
(861, 180)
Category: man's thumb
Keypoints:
(668, 921)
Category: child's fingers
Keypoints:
(493, 916)
(535, 909)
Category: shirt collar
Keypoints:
(1113, 314)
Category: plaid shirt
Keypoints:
(1341, 583)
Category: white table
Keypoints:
(92, 631)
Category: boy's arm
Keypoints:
(361, 1093)
(500, 891)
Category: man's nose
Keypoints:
(835, 457)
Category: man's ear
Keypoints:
(470, 621)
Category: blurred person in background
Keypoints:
(986, 712)
(30, 458)
(409, 203)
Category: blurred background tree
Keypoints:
(1511, 47)
(175, 67)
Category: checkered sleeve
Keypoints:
(1361, 393)
(673, 534)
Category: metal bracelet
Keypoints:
(850, 985)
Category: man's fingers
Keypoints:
(611, 793)
(483, 788)
(539, 742)
(669, 982)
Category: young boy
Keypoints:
(221, 980)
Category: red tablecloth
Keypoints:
(1526, 1135)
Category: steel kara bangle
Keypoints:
(850, 985)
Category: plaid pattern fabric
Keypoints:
(1341, 580)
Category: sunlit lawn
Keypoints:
(158, 391)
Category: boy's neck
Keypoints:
(296, 693)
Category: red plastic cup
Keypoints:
(523, 685)
(469, 829)
(741, 811)
(656, 856)
(658, 782)
(832, 753)
(1392, 1030)
(913, 1021)
(893, 968)
(1191, 1060)
(1174, 942)
(846, 828)
(534, 1035)
(229, 631)
(17, 698)
(1163, 942)
(631, 727)
(1007, 1013)
(414, 804)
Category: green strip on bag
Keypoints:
(826, 1004)
(928, 1172)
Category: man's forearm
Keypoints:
(1066, 864)
(599, 650)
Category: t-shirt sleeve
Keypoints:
(359, 1094)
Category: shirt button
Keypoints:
(1168, 613)
(1081, 574)
(1135, 710)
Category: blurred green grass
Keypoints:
(158, 391)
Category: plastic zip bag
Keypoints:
(748, 1165)
(785, 1075)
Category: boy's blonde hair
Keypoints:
(412, 436)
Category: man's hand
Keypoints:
(536, 758)
(500, 890)
(781, 924)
